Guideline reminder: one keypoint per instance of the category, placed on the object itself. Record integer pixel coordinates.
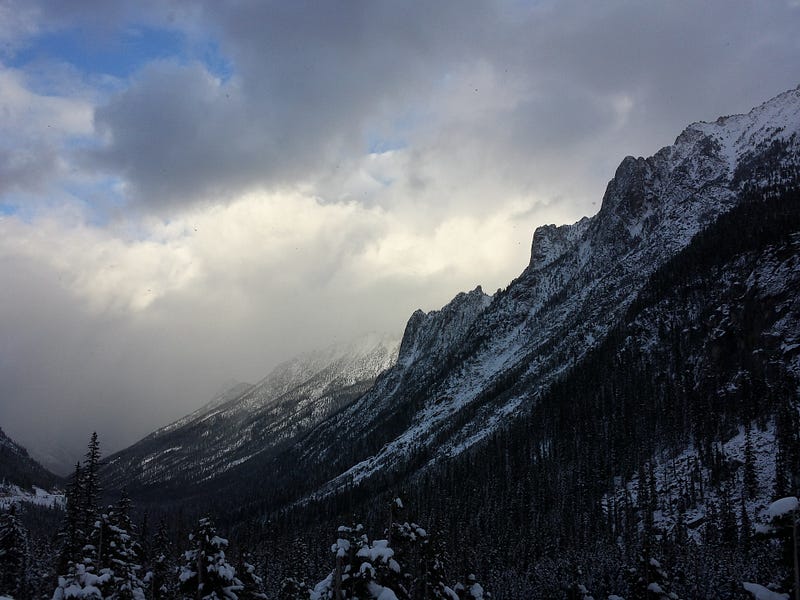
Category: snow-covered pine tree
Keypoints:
(577, 590)
(71, 537)
(123, 554)
(729, 530)
(417, 568)
(90, 484)
(293, 589)
(80, 576)
(205, 574)
(651, 581)
(14, 555)
(252, 584)
(745, 527)
(349, 580)
(358, 569)
(433, 573)
(160, 578)
(296, 569)
(472, 590)
(782, 523)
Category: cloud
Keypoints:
(299, 172)
(33, 129)
(310, 84)
(123, 333)
(487, 82)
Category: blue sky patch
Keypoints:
(7, 209)
(105, 52)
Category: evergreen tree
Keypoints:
(650, 581)
(82, 535)
(205, 574)
(783, 523)
(91, 483)
(360, 571)
(71, 537)
(472, 590)
(160, 578)
(293, 589)
(746, 527)
(729, 531)
(252, 584)
(349, 580)
(14, 555)
(122, 557)
(750, 477)
(296, 570)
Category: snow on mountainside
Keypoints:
(17, 468)
(13, 494)
(463, 370)
(742, 311)
(231, 392)
(252, 421)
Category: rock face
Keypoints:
(250, 422)
(482, 362)
(470, 367)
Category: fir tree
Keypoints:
(750, 477)
(252, 584)
(728, 529)
(360, 569)
(122, 557)
(350, 581)
(472, 590)
(746, 527)
(71, 537)
(14, 555)
(650, 581)
(293, 589)
(205, 574)
(84, 544)
(160, 578)
(91, 482)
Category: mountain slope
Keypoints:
(581, 279)
(249, 423)
(641, 447)
(467, 372)
(18, 468)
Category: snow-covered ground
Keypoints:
(13, 494)
(673, 474)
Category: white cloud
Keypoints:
(211, 225)
(24, 113)
(223, 290)
(34, 131)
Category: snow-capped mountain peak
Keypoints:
(251, 422)
(505, 351)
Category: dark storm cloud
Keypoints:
(309, 82)
(312, 82)
(27, 169)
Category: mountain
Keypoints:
(247, 424)
(632, 397)
(627, 405)
(19, 469)
(471, 368)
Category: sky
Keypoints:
(193, 191)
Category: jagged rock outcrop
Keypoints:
(481, 362)
(579, 283)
